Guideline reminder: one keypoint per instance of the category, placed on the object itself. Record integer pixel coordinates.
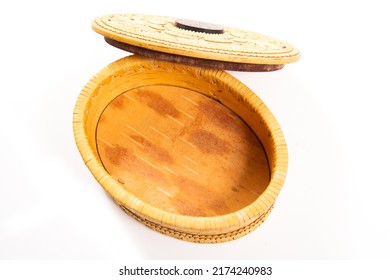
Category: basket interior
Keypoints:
(185, 148)
(181, 151)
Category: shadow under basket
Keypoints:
(190, 152)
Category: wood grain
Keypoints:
(193, 61)
(181, 151)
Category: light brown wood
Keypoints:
(160, 33)
(98, 113)
(181, 151)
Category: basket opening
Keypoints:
(221, 151)
(181, 151)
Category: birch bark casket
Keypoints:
(178, 143)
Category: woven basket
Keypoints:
(96, 120)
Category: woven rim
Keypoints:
(272, 139)
(200, 238)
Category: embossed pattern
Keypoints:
(161, 34)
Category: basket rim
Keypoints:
(223, 223)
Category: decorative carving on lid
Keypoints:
(162, 34)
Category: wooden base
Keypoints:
(182, 152)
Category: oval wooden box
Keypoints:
(188, 151)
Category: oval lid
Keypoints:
(195, 43)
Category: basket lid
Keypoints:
(195, 43)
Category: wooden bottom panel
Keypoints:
(181, 151)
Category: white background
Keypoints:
(332, 106)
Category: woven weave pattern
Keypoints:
(196, 238)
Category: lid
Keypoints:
(195, 43)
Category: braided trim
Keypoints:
(199, 238)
